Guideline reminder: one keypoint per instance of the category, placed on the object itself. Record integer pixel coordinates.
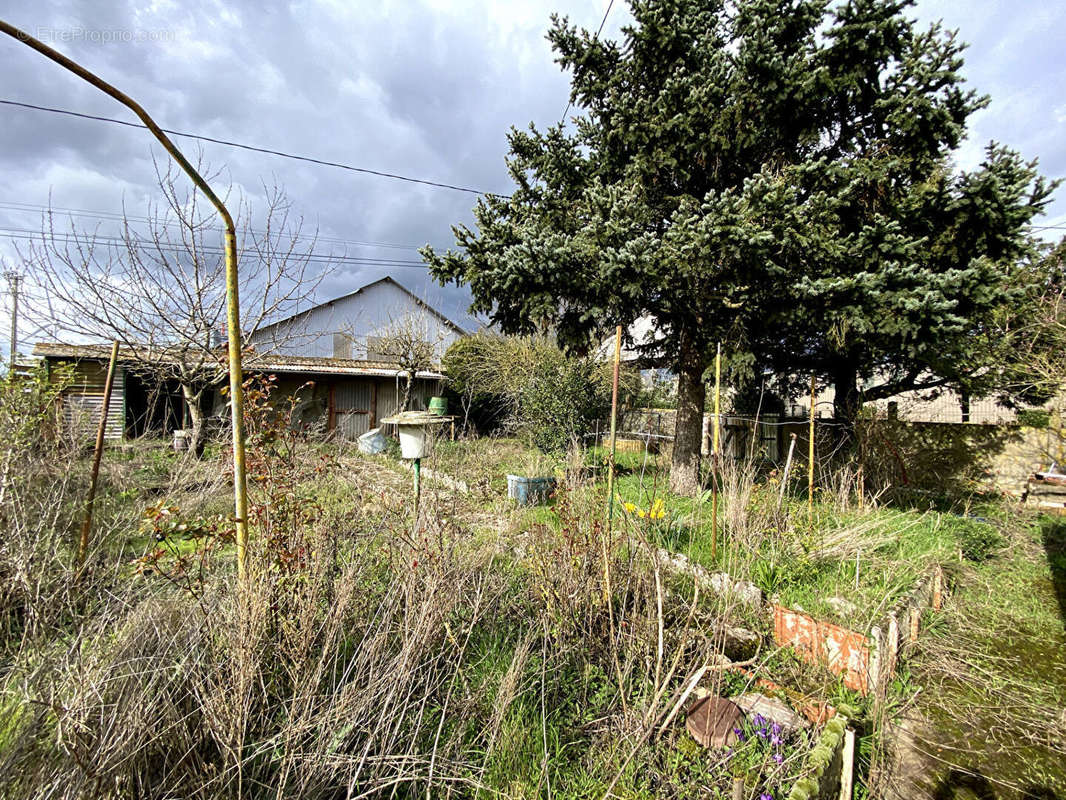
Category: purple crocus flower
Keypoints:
(778, 758)
(739, 733)
(766, 796)
(775, 740)
(775, 729)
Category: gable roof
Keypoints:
(387, 279)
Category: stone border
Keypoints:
(888, 641)
(825, 763)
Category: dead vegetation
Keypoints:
(475, 651)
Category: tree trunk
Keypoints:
(846, 404)
(405, 401)
(196, 419)
(688, 431)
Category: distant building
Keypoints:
(341, 346)
(359, 325)
(940, 405)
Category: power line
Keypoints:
(598, 32)
(255, 149)
(123, 217)
(118, 243)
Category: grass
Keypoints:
(996, 663)
(476, 651)
(464, 665)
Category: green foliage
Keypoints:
(977, 540)
(30, 416)
(775, 175)
(532, 386)
(1034, 418)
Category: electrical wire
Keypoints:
(120, 243)
(256, 149)
(11, 205)
(599, 30)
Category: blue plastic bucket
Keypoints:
(529, 491)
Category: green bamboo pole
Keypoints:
(233, 323)
(418, 486)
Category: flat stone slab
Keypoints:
(772, 709)
(720, 583)
(711, 721)
(840, 605)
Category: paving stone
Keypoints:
(772, 709)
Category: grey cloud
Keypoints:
(422, 88)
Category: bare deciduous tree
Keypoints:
(159, 286)
(407, 341)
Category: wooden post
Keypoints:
(847, 769)
(101, 432)
(788, 466)
(938, 588)
(810, 461)
(716, 434)
(614, 424)
(738, 788)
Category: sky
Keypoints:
(421, 88)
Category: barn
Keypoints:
(335, 356)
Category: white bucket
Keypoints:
(415, 441)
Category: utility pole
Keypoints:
(13, 280)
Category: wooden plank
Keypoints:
(1049, 478)
(847, 771)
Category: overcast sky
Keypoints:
(425, 88)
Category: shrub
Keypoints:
(531, 387)
(977, 540)
(1034, 418)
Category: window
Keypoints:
(381, 348)
(342, 345)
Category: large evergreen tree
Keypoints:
(769, 173)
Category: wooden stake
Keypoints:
(847, 770)
(714, 450)
(788, 467)
(101, 432)
(810, 461)
(614, 424)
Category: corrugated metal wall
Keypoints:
(83, 401)
(351, 408)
